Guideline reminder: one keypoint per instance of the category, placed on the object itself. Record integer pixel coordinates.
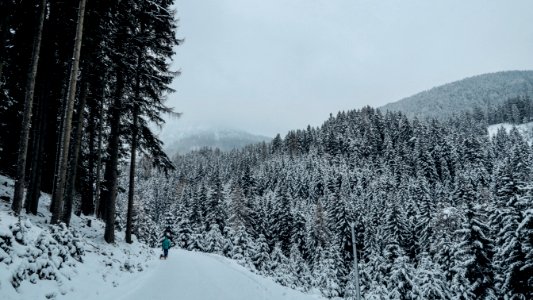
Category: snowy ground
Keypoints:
(525, 129)
(194, 275)
(78, 264)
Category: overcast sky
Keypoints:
(268, 66)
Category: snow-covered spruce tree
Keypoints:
(399, 271)
(242, 247)
(282, 219)
(214, 240)
(473, 256)
(443, 248)
(260, 255)
(317, 232)
(394, 227)
(184, 233)
(168, 224)
(525, 232)
(511, 191)
(325, 272)
(198, 242)
(340, 219)
(239, 210)
(216, 210)
(279, 267)
(430, 281)
(424, 226)
(146, 230)
(301, 274)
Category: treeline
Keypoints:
(440, 210)
(80, 81)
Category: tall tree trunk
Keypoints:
(109, 193)
(34, 188)
(87, 193)
(75, 151)
(67, 126)
(97, 190)
(26, 118)
(60, 118)
(131, 191)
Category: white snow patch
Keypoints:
(525, 129)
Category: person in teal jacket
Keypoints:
(166, 246)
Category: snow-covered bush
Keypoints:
(69, 239)
(6, 246)
(52, 251)
(18, 232)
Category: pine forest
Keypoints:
(440, 209)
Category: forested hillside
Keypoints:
(440, 211)
(483, 92)
(80, 84)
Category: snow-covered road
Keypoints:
(197, 276)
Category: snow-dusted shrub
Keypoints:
(70, 240)
(41, 263)
(18, 233)
(6, 246)
(51, 252)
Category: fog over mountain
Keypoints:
(183, 140)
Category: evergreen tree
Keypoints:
(301, 275)
(242, 247)
(325, 275)
(279, 266)
(430, 282)
(261, 255)
(214, 240)
(474, 254)
(282, 219)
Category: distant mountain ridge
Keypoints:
(483, 91)
(223, 139)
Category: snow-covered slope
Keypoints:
(525, 129)
(40, 261)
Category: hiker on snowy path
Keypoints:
(166, 246)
